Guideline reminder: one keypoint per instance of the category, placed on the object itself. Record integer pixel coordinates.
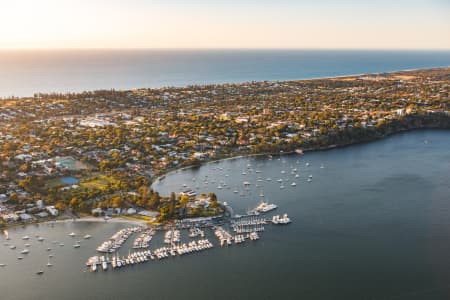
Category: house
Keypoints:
(42, 214)
(12, 217)
(148, 213)
(131, 211)
(52, 210)
(26, 217)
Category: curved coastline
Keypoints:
(305, 150)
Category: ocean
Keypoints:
(23, 73)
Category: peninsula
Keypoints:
(98, 152)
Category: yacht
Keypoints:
(12, 247)
(40, 239)
(297, 176)
(265, 207)
(77, 246)
(281, 220)
(72, 234)
(25, 251)
(40, 272)
(19, 257)
(61, 244)
(26, 237)
(87, 236)
(293, 184)
(2, 265)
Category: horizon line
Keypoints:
(217, 48)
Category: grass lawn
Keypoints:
(99, 182)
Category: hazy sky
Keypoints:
(224, 24)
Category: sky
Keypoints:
(354, 24)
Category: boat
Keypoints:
(293, 184)
(12, 247)
(299, 151)
(87, 236)
(72, 234)
(40, 239)
(26, 238)
(322, 166)
(61, 244)
(19, 257)
(307, 164)
(281, 220)
(49, 264)
(6, 234)
(25, 251)
(40, 272)
(27, 245)
(77, 246)
(264, 207)
(2, 265)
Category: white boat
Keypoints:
(72, 234)
(12, 247)
(281, 220)
(264, 207)
(25, 251)
(26, 237)
(2, 265)
(40, 239)
(19, 257)
(61, 244)
(40, 272)
(77, 246)
(293, 184)
(87, 236)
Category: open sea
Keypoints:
(23, 73)
(373, 223)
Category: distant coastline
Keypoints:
(25, 73)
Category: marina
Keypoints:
(333, 228)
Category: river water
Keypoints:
(373, 223)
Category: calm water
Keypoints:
(374, 223)
(23, 73)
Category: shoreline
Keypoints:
(203, 84)
(305, 150)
